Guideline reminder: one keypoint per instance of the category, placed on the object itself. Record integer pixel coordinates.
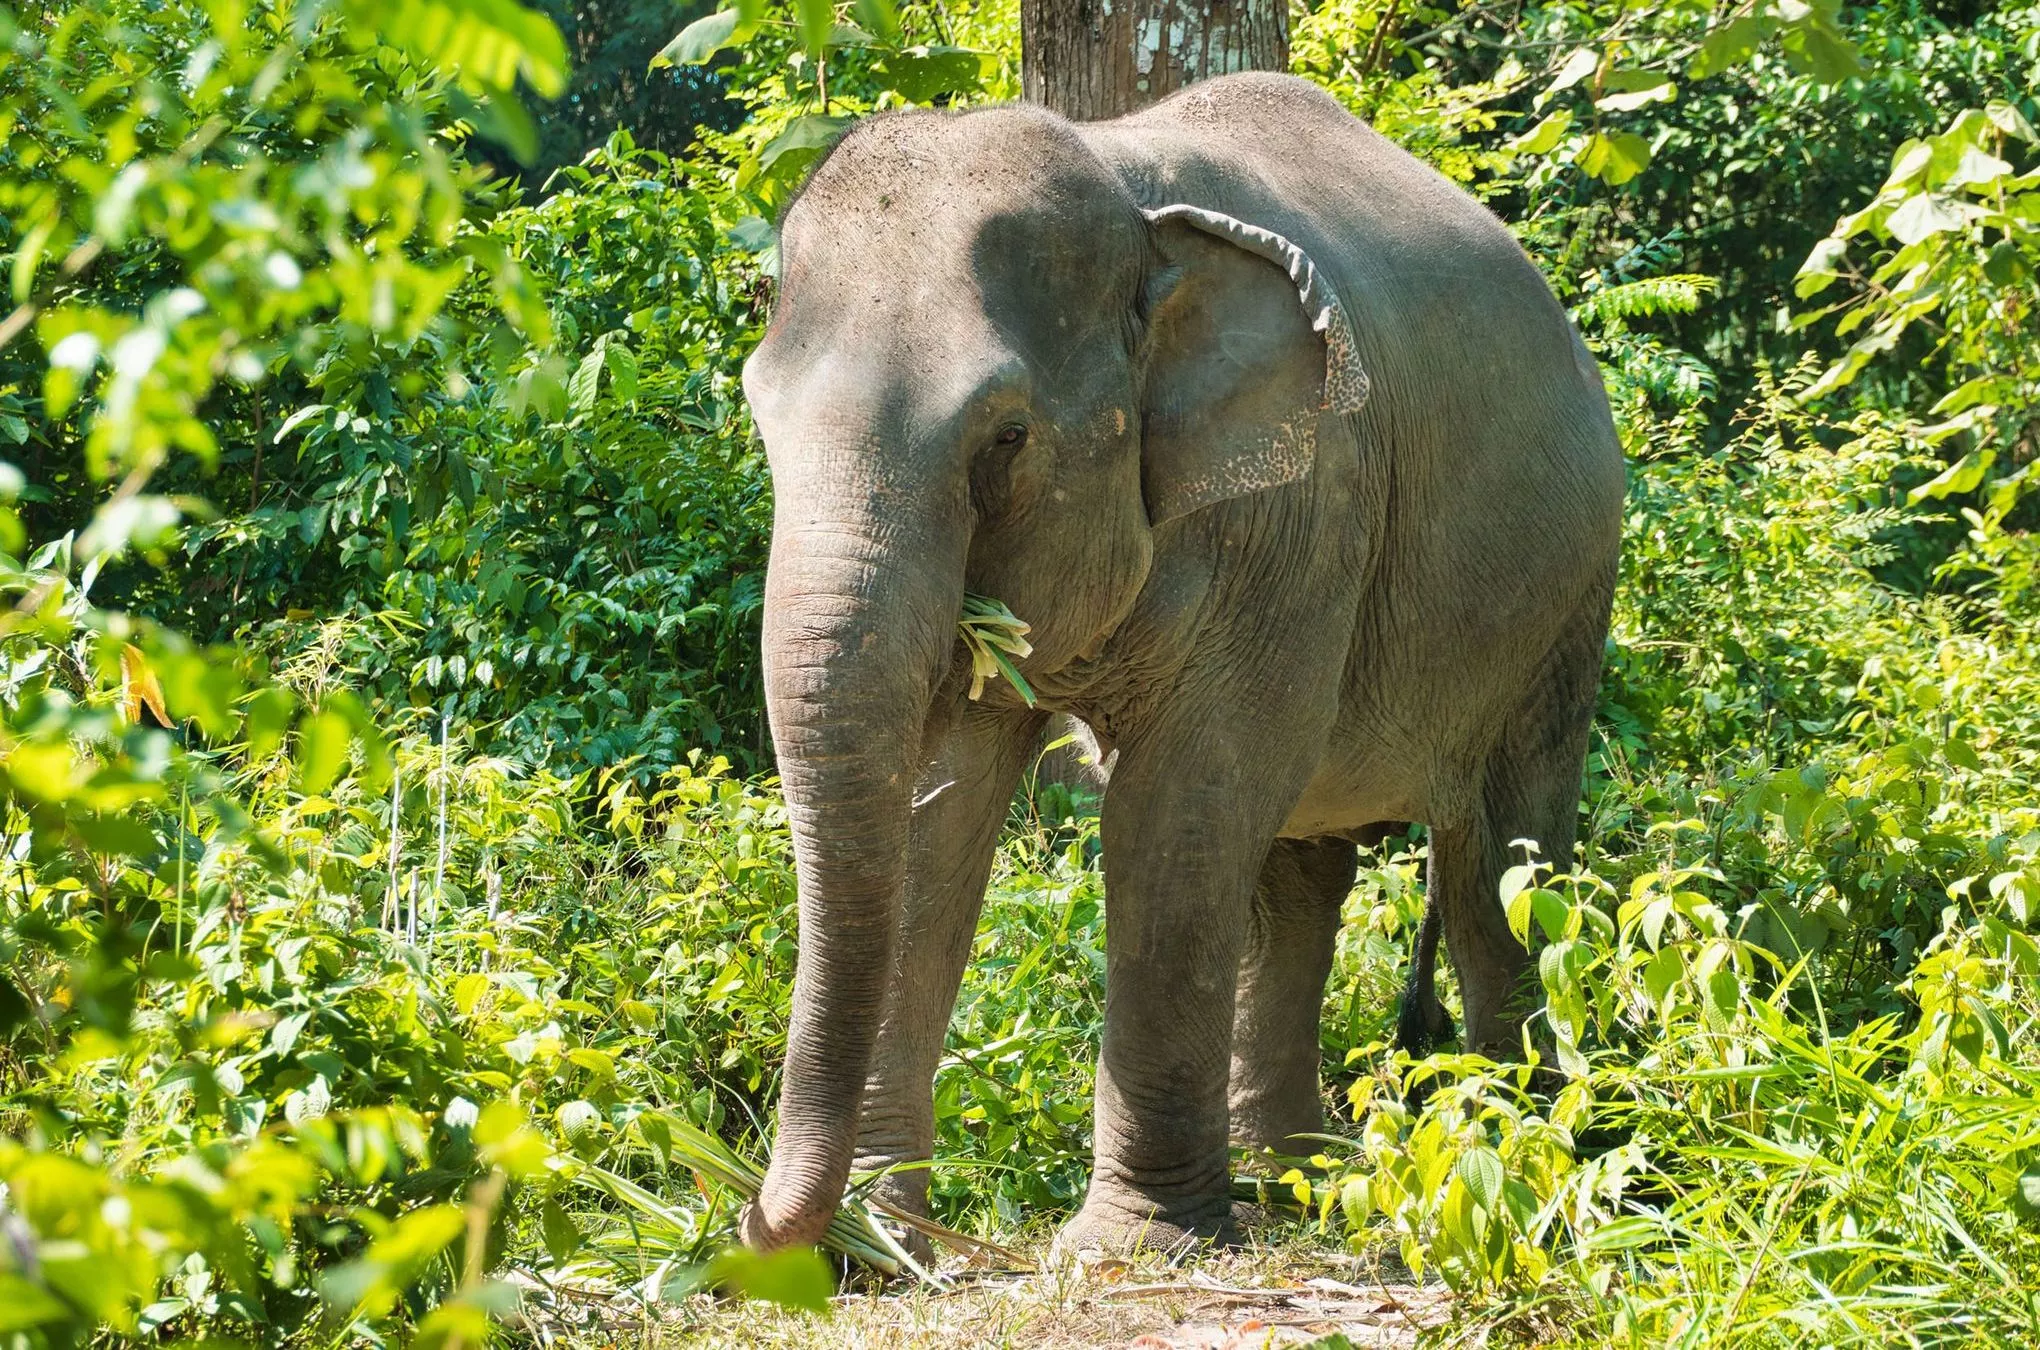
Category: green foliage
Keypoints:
(584, 561)
(808, 68)
(559, 542)
(1956, 227)
(1785, 1174)
(244, 1035)
(1966, 230)
(609, 85)
(281, 204)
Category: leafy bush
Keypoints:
(1783, 1174)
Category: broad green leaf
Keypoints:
(1516, 880)
(1908, 162)
(753, 234)
(1542, 138)
(817, 18)
(322, 749)
(1356, 1200)
(1975, 169)
(1965, 1036)
(1614, 158)
(1624, 1234)
(2026, 1194)
(1821, 268)
(1583, 62)
(1517, 910)
(1924, 214)
(1628, 90)
(804, 138)
(562, 1238)
(924, 74)
(468, 991)
(1554, 916)
(2004, 265)
(2010, 120)
(1662, 974)
(880, 16)
(1724, 996)
(699, 41)
(1819, 49)
(1480, 1167)
(1731, 44)
(1962, 476)
(582, 385)
(794, 1277)
(623, 371)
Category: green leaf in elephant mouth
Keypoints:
(995, 636)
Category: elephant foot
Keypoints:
(1133, 1226)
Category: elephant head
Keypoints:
(988, 369)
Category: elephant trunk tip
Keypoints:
(789, 1211)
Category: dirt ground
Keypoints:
(1267, 1300)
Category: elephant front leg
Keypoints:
(1185, 835)
(1291, 932)
(961, 803)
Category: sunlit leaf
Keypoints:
(699, 41)
(793, 1277)
(1614, 158)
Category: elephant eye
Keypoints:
(990, 483)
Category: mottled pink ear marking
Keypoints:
(1346, 383)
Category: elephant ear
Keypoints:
(1247, 346)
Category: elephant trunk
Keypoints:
(860, 614)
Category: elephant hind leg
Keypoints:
(1529, 789)
(1291, 931)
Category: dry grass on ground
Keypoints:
(1282, 1298)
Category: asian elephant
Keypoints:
(1311, 495)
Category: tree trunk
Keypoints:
(1091, 59)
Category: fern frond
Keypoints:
(1646, 297)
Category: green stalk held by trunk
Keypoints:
(994, 634)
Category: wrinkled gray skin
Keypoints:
(1291, 621)
(1072, 757)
